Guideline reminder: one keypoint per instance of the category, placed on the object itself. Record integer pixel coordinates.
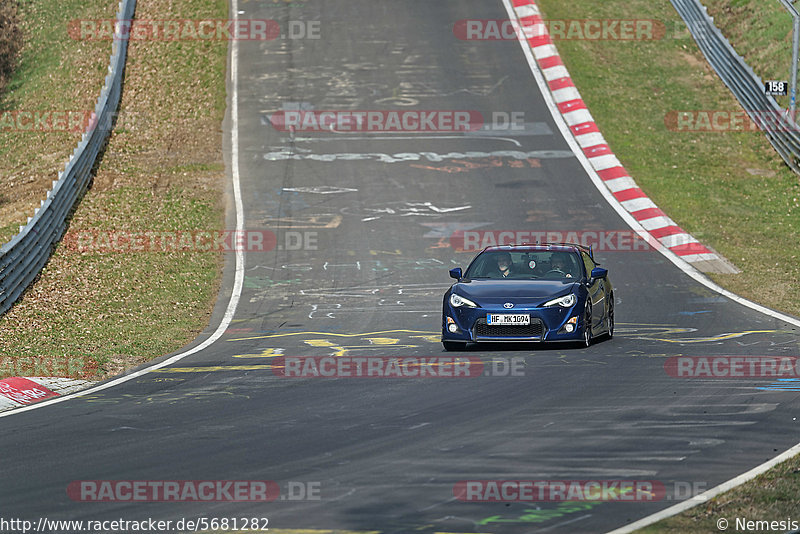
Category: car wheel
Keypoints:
(450, 346)
(587, 326)
(610, 316)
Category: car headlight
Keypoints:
(565, 302)
(457, 301)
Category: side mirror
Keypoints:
(456, 273)
(599, 272)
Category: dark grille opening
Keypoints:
(535, 329)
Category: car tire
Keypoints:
(610, 317)
(450, 346)
(587, 327)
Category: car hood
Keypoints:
(516, 291)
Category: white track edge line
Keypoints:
(236, 292)
(684, 266)
(708, 495)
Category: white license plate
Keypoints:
(506, 319)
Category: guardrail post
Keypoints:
(795, 45)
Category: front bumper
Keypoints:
(547, 324)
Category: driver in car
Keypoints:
(558, 263)
(505, 267)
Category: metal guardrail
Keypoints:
(22, 258)
(747, 87)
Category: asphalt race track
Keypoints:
(363, 223)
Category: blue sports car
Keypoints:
(547, 292)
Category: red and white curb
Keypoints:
(577, 117)
(17, 391)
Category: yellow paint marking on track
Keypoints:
(720, 337)
(334, 334)
(167, 379)
(212, 368)
(383, 340)
(442, 243)
(659, 330)
(261, 367)
(266, 353)
(372, 347)
(320, 343)
(659, 325)
(339, 350)
(430, 338)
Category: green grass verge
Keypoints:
(55, 73)
(92, 314)
(730, 190)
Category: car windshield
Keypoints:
(528, 265)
